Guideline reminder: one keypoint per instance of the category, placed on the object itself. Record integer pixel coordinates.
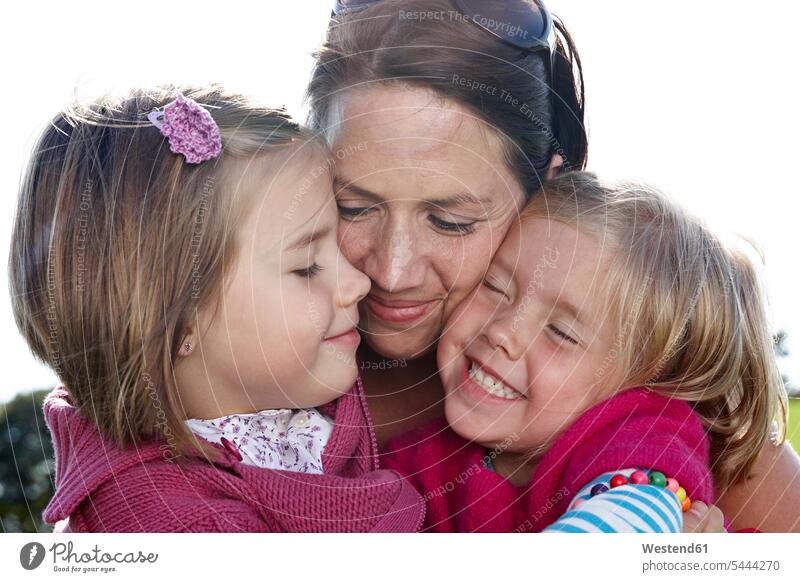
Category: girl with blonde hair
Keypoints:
(614, 367)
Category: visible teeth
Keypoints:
(491, 384)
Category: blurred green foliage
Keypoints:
(793, 432)
(27, 469)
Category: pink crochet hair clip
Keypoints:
(189, 128)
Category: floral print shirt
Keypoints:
(292, 440)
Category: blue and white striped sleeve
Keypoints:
(625, 509)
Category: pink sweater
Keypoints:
(103, 488)
(636, 428)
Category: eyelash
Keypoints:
(352, 212)
(309, 272)
(493, 288)
(444, 225)
(453, 227)
(562, 335)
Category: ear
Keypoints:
(555, 166)
(188, 344)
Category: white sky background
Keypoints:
(698, 98)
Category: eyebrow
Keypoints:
(557, 302)
(461, 199)
(307, 239)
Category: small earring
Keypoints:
(187, 348)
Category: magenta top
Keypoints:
(636, 428)
(103, 488)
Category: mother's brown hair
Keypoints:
(535, 117)
(118, 242)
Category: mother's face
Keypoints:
(425, 199)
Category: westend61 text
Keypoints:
(675, 549)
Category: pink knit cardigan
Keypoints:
(103, 488)
(636, 428)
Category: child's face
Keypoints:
(537, 323)
(285, 335)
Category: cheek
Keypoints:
(355, 240)
(468, 317)
(305, 313)
(578, 371)
(563, 383)
(290, 329)
(314, 314)
(462, 329)
(462, 268)
(557, 369)
(235, 321)
(283, 312)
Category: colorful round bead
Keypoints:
(639, 478)
(618, 481)
(578, 502)
(681, 493)
(658, 479)
(686, 504)
(599, 488)
(672, 484)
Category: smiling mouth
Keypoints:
(492, 384)
(399, 311)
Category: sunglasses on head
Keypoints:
(525, 24)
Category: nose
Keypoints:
(504, 333)
(352, 285)
(394, 262)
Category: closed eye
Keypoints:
(352, 212)
(488, 284)
(452, 227)
(308, 272)
(562, 334)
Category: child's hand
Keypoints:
(702, 518)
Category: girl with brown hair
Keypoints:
(174, 260)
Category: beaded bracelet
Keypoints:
(656, 478)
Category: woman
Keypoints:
(443, 122)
